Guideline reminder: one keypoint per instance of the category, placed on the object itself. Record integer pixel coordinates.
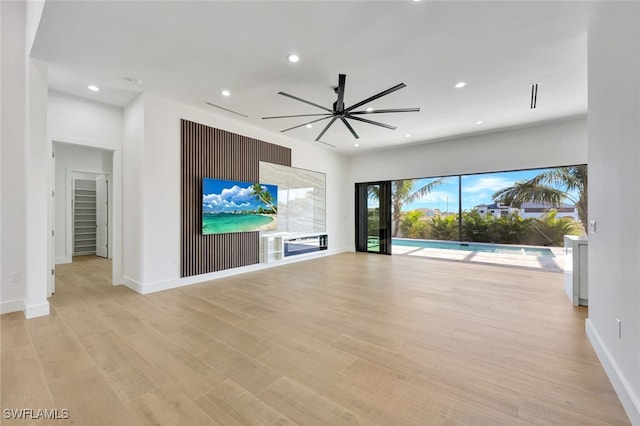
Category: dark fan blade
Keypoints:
(306, 102)
(353, 132)
(374, 97)
(304, 124)
(342, 80)
(298, 115)
(384, 111)
(364, 120)
(326, 128)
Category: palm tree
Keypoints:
(402, 193)
(262, 194)
(551, 187)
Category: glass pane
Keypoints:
(373, 218)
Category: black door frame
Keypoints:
(361, 201)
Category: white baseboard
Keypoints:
(131, 283)
(63, 260)
(181, 282)
(9, 306)
(630, 401)
(34, 311)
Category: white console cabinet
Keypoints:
(279, 245)
(576, 269)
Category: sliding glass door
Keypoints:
(373, 217)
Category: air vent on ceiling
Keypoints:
(534, 95)
(227, 109)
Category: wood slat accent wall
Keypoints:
(215, 153)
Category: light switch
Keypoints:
(592, 226)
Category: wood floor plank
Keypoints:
(231, 404)
(90, 400)
(169, 406)
(13, 331)
(351, 338)
(57, 347)
(307, 407)
(187, 372)
(22, 383)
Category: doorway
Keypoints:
(373, 217)
(90, 206)
(82, 211)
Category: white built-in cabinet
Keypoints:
(576, 271)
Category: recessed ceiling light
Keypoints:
(308, 126)
(356, 144)
(293, 58)
(226, 93)
(133, 80)
(460, 85)
(93, 88)
(479, 122)
(369, 109)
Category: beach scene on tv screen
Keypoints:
(234, 206)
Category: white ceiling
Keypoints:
(189, 51)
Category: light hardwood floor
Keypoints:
(345, 339)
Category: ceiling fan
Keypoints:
(341, 112)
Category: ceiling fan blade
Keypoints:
(375, 123)
(339, 106)
(304, 124)
(376, 96)
(297, 115)
(384, 111)
(326, 128)
(353, 132)
(305, 101)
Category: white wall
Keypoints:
(553, 144)
(77, 120)
(161, 188)
(80, 159)
(83, 123)
(132, 202)
(12, 155)
(614, 175)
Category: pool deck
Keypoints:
(546, 263)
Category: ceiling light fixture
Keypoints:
(226, 93)
(479, 122)
(93, 88)
(293, 58)
(369, 109)
(308, 126)
(356, 144)
(408, 135)
(133, 80)
(460, 85)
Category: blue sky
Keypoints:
(228, 196)
(476, 189)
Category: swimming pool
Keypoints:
(481, 247)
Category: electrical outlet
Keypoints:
(14, 277)
(619, 328)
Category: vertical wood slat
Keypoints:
(215, 153)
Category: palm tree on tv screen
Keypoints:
(552, 187)
(262, 194)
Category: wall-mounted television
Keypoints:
(235, 206)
